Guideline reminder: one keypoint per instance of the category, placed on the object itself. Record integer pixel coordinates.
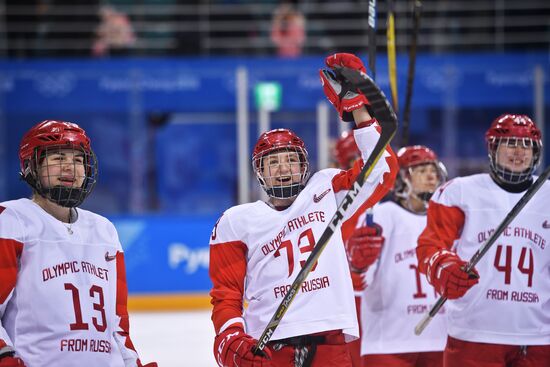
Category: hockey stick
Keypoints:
(388, 122)
(417, 13)
(372, 67)
(392, 67)
(485, 247)
(372, 37)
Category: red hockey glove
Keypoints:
(343, 59)
(233, 348)
(339, 94)
(151, 364)
(446, 273)
(11, 361)
(364, 246)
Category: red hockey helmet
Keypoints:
(414, 155)
(50, 136)
(513, 130)
(410, 157)
(280, 140)
(346, 150)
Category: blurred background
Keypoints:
(174, 94)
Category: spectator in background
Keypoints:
(288, 30)
(49, 28)
(114, 35)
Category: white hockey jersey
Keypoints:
(397, 295)
(511, 303)
(256, 253)
(62, 296)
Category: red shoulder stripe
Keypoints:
(10, 252)
(122, 301)
(388, 180)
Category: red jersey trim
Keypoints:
(388, 180)
(10, 252)
(367, 123)
(122, 303)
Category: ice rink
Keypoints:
(182, 339)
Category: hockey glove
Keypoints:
(8, 359)
(11, 362)
(364, 246)
(446, 273)
(341, 94)
(233, 348)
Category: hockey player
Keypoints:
(396, 297)
(257, 249)
(62, 280)
(501, 319)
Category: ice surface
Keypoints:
(174, 339)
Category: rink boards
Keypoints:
(166, 260)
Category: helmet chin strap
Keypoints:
(423, 197)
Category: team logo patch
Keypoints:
(109, 257)
(316, 198)
(545, 224)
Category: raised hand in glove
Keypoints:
(341, 94)
(446, 273)
(233, 348)
(364, 246)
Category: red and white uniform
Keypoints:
(62, 296)
(256, 251)
(398, 296)
(511, 303)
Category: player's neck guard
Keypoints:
(425, 196)
(512, 187)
